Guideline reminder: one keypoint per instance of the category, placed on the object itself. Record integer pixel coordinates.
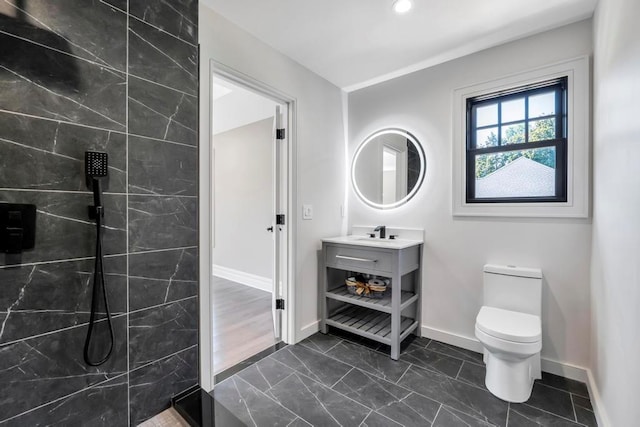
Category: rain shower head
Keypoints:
(96, 164)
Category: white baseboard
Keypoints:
(258, 282)
(596, 401)
(566, 370)
(307, 331)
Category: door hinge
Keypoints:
(280, 133)
(279, 304)
(280, 219)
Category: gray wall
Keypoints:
(243, 203)
(615, 272)
(79, 75)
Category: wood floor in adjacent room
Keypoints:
(242, 322)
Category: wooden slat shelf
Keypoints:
(369, 323)
(383, 304)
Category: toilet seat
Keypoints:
(509, 325)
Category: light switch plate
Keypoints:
(307, 212)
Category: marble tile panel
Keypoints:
(161, 58)
(63, 228)
(370, 361)
(39, 81)
(161, 331)
(473, 401)
(162, 113)
(448, 417)
(161, 277)
(457, 352)
(179, 18)
(118, 4)
(368, 390)
(250, 405)
(523, 415)
(473, 374)
(162, 222)
(103, 405)
(153, 386)
(413, 410)
(566, 384)
(431, 360)
(317, 404)
(552, 400)
(48, 155)
(376, 420)
(312, 364)
(265, 374)
(53, 365)
(45, 297)
(162, 168)
(91, 29)
(321, 342)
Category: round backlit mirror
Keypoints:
(388, 168)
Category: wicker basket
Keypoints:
(365, 290)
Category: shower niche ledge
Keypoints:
(388, 319)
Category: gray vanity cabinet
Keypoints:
(388, 320)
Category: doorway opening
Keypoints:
(249, 221)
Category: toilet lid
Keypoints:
(509, 325)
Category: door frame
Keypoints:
(206, 199)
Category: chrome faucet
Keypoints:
(383, 231)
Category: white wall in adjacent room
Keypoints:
(615, 270)
(456, 248)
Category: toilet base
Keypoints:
(510, 379)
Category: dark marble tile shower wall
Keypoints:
(117, 76)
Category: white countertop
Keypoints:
(373, 242)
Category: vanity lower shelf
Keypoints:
(382, 304)
(368, 323)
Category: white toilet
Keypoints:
(508, 326)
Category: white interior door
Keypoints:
(279, 227)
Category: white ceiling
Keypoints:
(356, 43)
(234, 106)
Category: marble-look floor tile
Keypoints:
(162, 113)
(39, 81)
(153, 386)
(161, 277)
(317, 404)
(48, 155)
(45, 297)
(376, 420)
(161, 58)
(369, 390)
(566, 384)
(162, 222)
(457, 352)
(162, 168)
(582, 402)
(473, 374)
(178, 18)
(63, 228)
(103, 405)
(523, 415)
(413, 411)
(551, 400)
(321, 342)
(92, 30)
(371, 361)
(458, 395)
(265, 374)
(250, 405)
(448, 417)
(432, 360)
(586, 417)
(158, 332)
(53, 365)
(312, 364)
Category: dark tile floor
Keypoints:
(342, 380)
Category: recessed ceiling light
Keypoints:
(402, 6)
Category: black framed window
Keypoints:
(517, 145)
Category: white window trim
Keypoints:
(578, 144)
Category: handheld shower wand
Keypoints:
(96, 168)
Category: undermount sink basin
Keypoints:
(374, 241)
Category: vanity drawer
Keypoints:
(358, 259)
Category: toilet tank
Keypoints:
(513, 288)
